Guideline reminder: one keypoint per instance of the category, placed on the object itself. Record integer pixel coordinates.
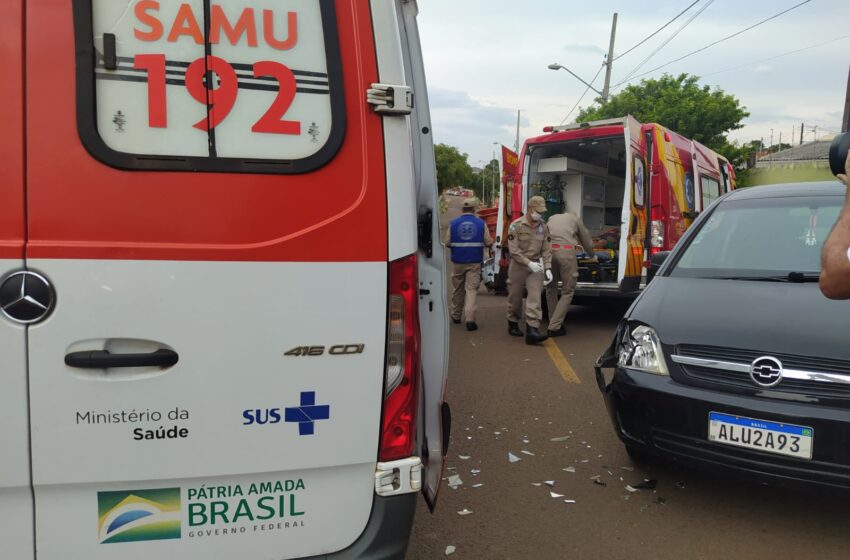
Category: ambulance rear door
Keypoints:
(634, 216)
(207, 197)
(16, 513)
(433, 316)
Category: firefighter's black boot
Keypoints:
(513, 329)
(560, 332)
(533, 336)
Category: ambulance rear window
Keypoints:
(204, 85)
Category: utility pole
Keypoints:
(845, 124)
(802, 128)
(792, 134)
(771, 138)
(609, 62)
(516, 143)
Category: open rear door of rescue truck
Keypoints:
(635, 209)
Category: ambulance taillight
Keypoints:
(398, 424)
(657, 230)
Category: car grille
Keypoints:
(839, 369)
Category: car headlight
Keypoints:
(640, 349)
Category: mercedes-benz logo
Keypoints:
(26, 297)
(766, 371)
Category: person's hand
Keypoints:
(535, 267)
(548, 276)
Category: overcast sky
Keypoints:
(487, 58)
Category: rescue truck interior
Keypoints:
(588, 178)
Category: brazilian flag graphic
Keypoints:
(138, 515)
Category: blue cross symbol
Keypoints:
(307, 414)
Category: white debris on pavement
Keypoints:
(549, 483)
(465, 511)
(559, 439)
(569, 469)
(569, 501)
(479, 485)
(450, 550)
(527, 452)
(465, 457)
(513, 458)
(455, 481)
(554, 495)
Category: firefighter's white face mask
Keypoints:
(537, 217)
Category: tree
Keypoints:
(452, 168)
(486, 181)
(682, 105)
(779, 147)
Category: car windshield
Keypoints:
(769, 238)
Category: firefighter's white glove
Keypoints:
(548, 279)
(535, 267)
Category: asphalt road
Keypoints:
(507, 397)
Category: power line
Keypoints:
(582, 95)
(665, 43)
(794, 7)
(777, 56)
(657, 31)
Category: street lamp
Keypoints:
(556, 66)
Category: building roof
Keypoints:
(812, 151)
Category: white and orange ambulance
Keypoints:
(223, 330)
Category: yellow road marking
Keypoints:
(560, 361)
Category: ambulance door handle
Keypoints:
(100, 359)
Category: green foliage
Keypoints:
(682, 105)
(779, 147)
(452, 168)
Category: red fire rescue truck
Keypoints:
(637, 187)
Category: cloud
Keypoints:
(460, 120)
(763, 69)
(584, 49)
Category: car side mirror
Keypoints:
(655, 262)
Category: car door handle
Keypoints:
(99, 359)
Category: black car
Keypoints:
(732, 358)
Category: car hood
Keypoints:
(771, 317)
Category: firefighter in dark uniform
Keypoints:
(467, 236)
(531, 264)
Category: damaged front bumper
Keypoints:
(659, 416)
